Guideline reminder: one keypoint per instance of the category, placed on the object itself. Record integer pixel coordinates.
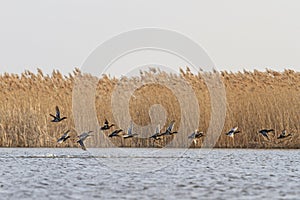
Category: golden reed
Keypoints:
(254, 100)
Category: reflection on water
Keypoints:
(149, 173)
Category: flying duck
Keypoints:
(115, 133)
(284, 135)
(130, 133)
(106, 125)
(82, 137)
(265, 132)
(157, 133)
(169, 130)
(232, 132)
(196, 135)
(64, 137)
(57, 118)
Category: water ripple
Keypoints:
(173, 174)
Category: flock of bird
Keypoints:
(65, 136)
(263, 132)
(156, 136)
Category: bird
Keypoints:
(83, 137)
(157, 133)
(196, 135)
(106, 125)
(115, 133)
(232, 132)
(57, 118)
(64, 137)
(169, 130)
(130, 133)
(265, 132)
(284, 135)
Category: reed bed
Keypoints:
(254, 100)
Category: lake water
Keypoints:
(149, 174)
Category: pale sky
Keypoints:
(236, 34)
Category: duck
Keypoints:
(232, 132)
(57, 117)
(265, 132)
(106, 125)
(283, 135)
(196, 134)
(64, 137)
(82, 137)
(115, 133)
(130, 133)
(157, 133)
(169, 130)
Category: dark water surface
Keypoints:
(149, 174)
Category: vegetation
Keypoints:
(254, 100)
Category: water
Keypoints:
(149, 174)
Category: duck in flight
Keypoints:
(57, 118)
(115, 133)
(169, 130)
(130, 133)
(196, 135)
(83, 137)
(106, 125)
(156, 135)
(64, 137)
(232, 132)
(265, 132)
(284, 135)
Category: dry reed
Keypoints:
(254, 100)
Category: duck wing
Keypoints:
(129, 132)
(82, 144)
(61, 139)
(266, 135)
(57, 112)
(169, 129)
(230, 132)
(52, 116)
(157, 130)
(192, 136)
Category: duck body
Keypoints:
(130, 133)
(284, 135)
(57, 117)
(169, 130)
(82, 138)
(115, 133)
(264, 132)
(106, 125)
(64, 137)
(232, 132)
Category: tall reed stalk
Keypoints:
(254, 100)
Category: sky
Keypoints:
(236, 34)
